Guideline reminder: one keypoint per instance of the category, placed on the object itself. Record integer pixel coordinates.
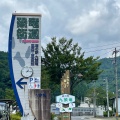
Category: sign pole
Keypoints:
(24, 53)
(65, 89)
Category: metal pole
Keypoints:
(107, 97)
(116, 83)
(94, 100)
(116, 86)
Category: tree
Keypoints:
(45, 83)
(9, 94)
(79, 92)
(2, 93)
(100, 94)
(61, 55)
(4, 71)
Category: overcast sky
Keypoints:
(93, 24)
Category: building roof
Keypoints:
(83, 104)
(7, 101)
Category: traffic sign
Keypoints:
(68, 109)
(71, 105)
(59, 105)
(65, 98)
(19, 83)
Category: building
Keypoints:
(3, 106)
(87, 108)
(114, 105)
(54, 109)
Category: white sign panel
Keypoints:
(68, 109)
(34, 83)
(59, 105)
(71, 105)
(65, 98)
(25, 56)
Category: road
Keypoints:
(91, 118)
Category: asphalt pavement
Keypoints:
(92, 118)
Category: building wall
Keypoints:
(114, 105)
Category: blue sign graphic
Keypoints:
(19, 83)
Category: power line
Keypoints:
(101, 49)
(92, 48)
(106, 53)
(102, 45)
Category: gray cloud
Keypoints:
(91, 23)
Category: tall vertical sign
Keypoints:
(25, 58)
(65, 90)
(65, 83)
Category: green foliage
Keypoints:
(61, 55)
(16, 116)
(111, 113)
(106, 113)
(4, 71)
(2, 93)
(108, 67)
(45, 83)
(100, 95)
(79, 92)
(9, 94)
(4, 74)
(52, 116)
(59, 117)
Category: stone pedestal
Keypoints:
(40, 103)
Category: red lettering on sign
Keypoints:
(30, 41)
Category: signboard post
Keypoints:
(40, 103)
(24, 50)
(65, 98)
(65, 102)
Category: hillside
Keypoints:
(107, 65)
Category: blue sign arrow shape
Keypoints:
(19, 83)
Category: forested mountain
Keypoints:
(107, 65)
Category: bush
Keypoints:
(52, 116)
(111, 113)
(59, 118)
(106, 113)
(16, 116)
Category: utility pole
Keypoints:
(116, 83)
(107, 97)
(94, 99)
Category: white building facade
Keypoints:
(114, 105)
